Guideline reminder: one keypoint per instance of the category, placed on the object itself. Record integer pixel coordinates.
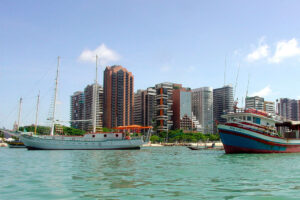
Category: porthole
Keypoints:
(117, 135)
(93, 135)
(105, 135)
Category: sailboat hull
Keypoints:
(126, 148)
(77, 143)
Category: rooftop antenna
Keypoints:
(55, 96)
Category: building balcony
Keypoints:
(170, 122)
(170, 111)
(159, 107)
(159, 96)
(162, 128)
(161, 117)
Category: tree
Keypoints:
(106, 130)
(45, 130)
(155, 138)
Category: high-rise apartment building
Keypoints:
(255, 103)
(288, 109)
(222, 102)
(89, 102)
(269, 107)
(138, 107)
(144, 107)
(164, 102)
(182, 110)
(77, 110)
(298, 110)
(202, 107)
(259, 103)
(118, 96)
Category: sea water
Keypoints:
(149, 173)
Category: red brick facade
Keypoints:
(118, 96)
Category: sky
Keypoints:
(195, 43)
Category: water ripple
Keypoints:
(159, 173)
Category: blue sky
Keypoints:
(179, 41)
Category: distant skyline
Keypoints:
(183, 42)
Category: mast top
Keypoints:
(55, 97)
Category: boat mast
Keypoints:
(55, 96)
(248, 85)
(225, 72)
(95, 97)
(19, 115)
(236, 82)
(36, 114)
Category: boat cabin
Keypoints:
(252, 116)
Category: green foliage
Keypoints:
(72, 131)
(155, 139)
(179, 136)
(45, 130)
(41, 130)
(214, 137)
(106, 130)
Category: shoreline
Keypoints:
(203, 145)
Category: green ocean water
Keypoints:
(149, 173)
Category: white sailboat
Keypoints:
(91, 141)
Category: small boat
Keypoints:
(15, 143)
(212, 147)
(253, 131)
(194, 148)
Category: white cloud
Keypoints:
(285, 49)
(260, 52)
(105, 55)
(165, 68)
(263, 92)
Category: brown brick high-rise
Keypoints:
(118, 97)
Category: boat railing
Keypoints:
(265, 129)
(253, 111)
(68, 138)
